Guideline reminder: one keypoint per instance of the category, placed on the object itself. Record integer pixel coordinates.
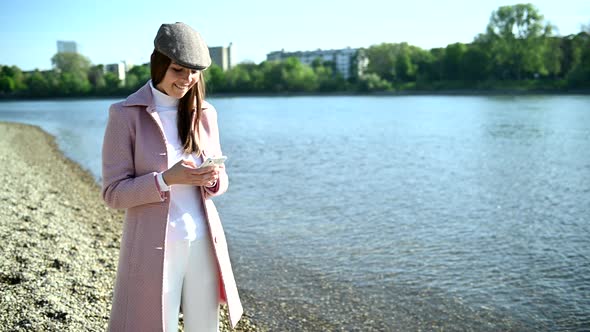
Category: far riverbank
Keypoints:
(397, 93)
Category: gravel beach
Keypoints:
(60, 242)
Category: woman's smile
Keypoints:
(181, 87)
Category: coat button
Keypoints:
(215, 239)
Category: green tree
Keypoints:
(289, 75)
(552, 57)
(16, 76)
(579, 74)
(112, 82)
(477, 63)
(96, 78)
(422, 63)
(215, 79)
(571, 53)
(516, 36)
(71, 62)
(372, 82)
(328, 79)
(73, 71)
(453, 61)
(299, 77)
(273, 76)
(39, 85)
(238, 79)
(142, 73)
(132, 81)
(256, 76)
(397, 62)
(7, 84)
(435, 71)
(382, 60)
(53, 80)
(72, 84)
(404, 68)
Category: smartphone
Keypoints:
(213, 161)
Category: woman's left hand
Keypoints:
(186, 172)
(209, 175)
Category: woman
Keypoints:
(173, 250)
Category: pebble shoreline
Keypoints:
(61, 243)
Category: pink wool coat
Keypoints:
(133, 151)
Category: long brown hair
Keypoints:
(186, 106)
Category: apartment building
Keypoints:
(347, 61)
(120, 69)
(222, 56)
(67, 46)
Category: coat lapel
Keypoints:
(156, 118)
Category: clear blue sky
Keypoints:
(109, 31)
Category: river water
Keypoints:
(393, 213)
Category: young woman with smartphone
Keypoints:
(173, 250)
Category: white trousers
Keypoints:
(190, 277)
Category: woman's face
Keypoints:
(178, 80)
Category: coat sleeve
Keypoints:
(121, 187)
(214, 149)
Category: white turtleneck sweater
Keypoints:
(186, 216)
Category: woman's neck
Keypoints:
(161, 99)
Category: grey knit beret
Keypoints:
(183, 45)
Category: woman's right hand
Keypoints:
(186, 172)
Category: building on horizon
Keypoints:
(349, 62)
(67, 46)
(120, 69)
(222, 56)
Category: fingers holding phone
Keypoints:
(186, 172)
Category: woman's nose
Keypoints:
(186, 74)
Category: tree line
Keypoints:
(518, 50)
